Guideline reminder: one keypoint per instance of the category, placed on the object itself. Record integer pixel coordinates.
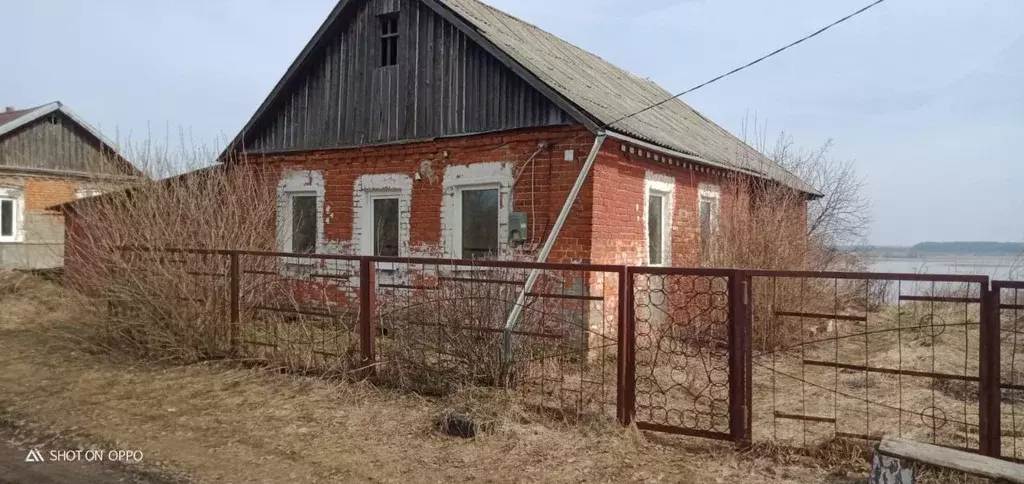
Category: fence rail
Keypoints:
(793, 356)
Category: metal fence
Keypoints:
(795, 357)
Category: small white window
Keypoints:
(381, 220)
(707, 205)
(383, 233)
(478, 222)
(658, 203)
(656, 228)
(476, 208)
(300, 212)
(302, 223)
(8, 220)
(12, 206)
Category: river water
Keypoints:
(996, 267)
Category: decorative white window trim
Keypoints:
(371, 187)
(713, 194)
(292, 184)
(477, 176)
(664, 186)
(16, 197)
(707, 191)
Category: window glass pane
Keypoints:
(655, 222)
(705, 229)
(6, 218)
(385, 227)
(304, 224)
(389, 40)
(479, 223)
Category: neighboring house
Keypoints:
(420, 127)
(48, 156)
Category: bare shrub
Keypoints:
(159, 305)
(446, 335)
(769, 226)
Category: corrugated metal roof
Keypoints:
(607, 93)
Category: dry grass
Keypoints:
(221, 424)
(923, 337)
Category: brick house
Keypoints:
(450, 128)
(48, 155)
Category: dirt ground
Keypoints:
(211, 423)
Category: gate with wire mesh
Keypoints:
(1007, 358)
(687, 354)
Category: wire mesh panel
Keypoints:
(181, 296)
(441, 326)
(1011, 367)
(298, 312)
(866, 355)
(681, 322)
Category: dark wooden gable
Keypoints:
(57, 142)
(444, 84)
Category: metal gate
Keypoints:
(687, 352)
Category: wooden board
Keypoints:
(935, 455)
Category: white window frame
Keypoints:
(288, 240)
(371, 187)
(457, 223)
(477, 176)
(663, 186)
(296, 184)
(17, 198)
(369, 227)
(713, 194)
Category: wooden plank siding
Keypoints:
(443, 85)
(55, 143)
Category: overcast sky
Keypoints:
(926, 96)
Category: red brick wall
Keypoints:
(619, 230)
(605, 225)
(540, 191)
(41, 193)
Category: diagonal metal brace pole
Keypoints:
(517, 310)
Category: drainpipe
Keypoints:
(517, 310)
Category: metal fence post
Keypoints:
(235, 275)
(367, 310)
(626, 395)
(739, 353)
(629, 322)
(989, 394)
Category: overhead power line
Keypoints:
(756, 61)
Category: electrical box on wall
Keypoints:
(517, 228)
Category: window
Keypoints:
(479, 223)
(659, 199)
(303, 223)
(389, 40)
(475, 210)
(380, 225)
(8, 219)
(385, 228)
(707, 206)
(300, 209)
(655, 224)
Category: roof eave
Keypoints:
(812, 194)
